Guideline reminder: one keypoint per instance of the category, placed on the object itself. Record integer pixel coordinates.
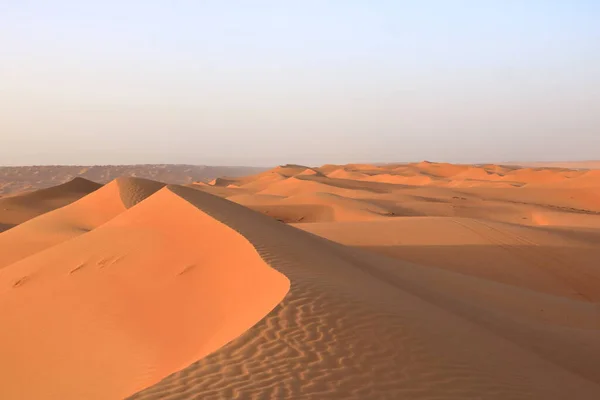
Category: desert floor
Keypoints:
(412, 281)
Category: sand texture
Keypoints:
(412, 281)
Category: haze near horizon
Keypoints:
(313, 82)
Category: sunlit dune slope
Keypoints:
(507, 194)
(418, 281)
(317, 207)
(74, 219)
(114, 310)
(346, 174)
(358, 325)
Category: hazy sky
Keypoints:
(270, 82)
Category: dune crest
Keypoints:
(74, 219)
(19, 208)
(197, 287)
(374, 310)
(422, 280)
(134, 190)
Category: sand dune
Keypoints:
(399, 179)
(18, 179)
(543, 260)
(134, 190)
(560, 164)
(73, 220)
(345, 174)
(415, 281)
(295, 186)
(17, 209)
(125, 317)
(351, 322)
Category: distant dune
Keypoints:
(20, 208)
(559, 164)
(418, 281)
(19, 179)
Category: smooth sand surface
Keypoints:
(19, 208)
(412, 281)
(74, 219)
(113, 311)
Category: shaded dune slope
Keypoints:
(528, 196)
(134, 190)
(544, 260)
(357, 325)
(525, 196)
(17, 209)
(317, 207)
(418, 281)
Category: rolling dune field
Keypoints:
(401, 281)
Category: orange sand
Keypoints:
(19, 208)
(414, 281)
(114, 310)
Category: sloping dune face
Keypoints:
(408, 281)
(134, 190)
(114, 310)
(17, 209)
(355, 325)
(527, 196)
(543, 261)
(75, 219)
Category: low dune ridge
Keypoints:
(317, 207)
(515, 195)
(582, 165)
(420, 280)
(346, 174)
(260, 182)
(19, 208)
(295, 186)
(542, 260)
(418, 180)
(76, 185)
(329, 168)
(310, 172)
(264, 180)
(477, 174)
(221, 182)
(18, 179)
(291, 170)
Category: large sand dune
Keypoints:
(414, 281)
(114, 310)
(74, 219)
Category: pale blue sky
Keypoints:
(313, 82)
